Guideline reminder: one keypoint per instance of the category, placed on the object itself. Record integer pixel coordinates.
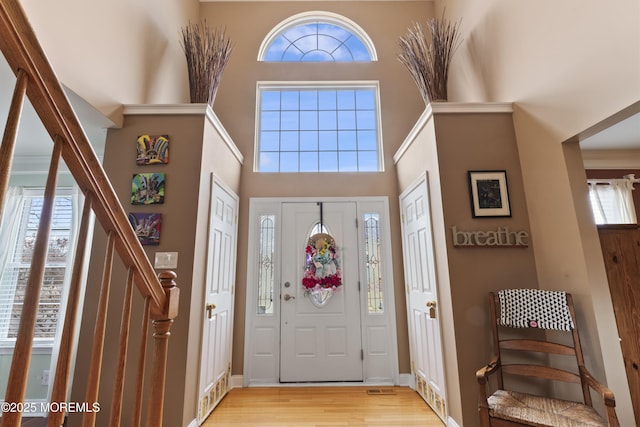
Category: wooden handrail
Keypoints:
(23, 52)
(36, 79)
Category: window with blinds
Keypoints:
(15, 274)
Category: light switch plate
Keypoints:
(166, 260)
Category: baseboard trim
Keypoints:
(451, 422)
(407, 380)
(193, 423)
(404, 380)
(236, 381)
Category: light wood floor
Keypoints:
(323, 406)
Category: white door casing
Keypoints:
(217, 333)
(320, 344)
(422, 297)
(262, 325)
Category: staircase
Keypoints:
(36, 80)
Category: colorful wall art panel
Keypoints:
(152, 149)
(147, 188)
(147, 227)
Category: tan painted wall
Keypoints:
(247, 23)
(447, 148)
(195, 152)
(422, 157)
(118, 51)
(567, 66)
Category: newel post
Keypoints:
(161, 322)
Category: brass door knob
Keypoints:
(432, 309)
(210, 308)
(288, 297)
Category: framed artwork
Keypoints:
(147, 188)
(489, 194)
(147, 227)
(152, 149)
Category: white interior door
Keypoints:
(319, 343)
(422, 297)
(215, 364)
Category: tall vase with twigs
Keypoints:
(428, 58)
(207, 51)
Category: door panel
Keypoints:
(319, 343)
(215, 365)
(621, 252)
(422, 304)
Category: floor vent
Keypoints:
(377, 391)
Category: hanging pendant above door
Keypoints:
(322, 275)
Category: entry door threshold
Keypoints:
(372, 385)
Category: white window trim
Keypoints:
(302, 85)
(43, 344)
(314, 16)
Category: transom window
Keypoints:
(325, 128)
(317, 37)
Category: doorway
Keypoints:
(320, 340)
(217, 329)
(621, 253)
(423, 309)
(292, 338)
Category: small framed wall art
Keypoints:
(152, 149)
(489, 194)
(147, 188)
(147, 227)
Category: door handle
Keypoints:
(210, 308)
(288, 297)
(432, 309)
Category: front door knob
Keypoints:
(288, 297)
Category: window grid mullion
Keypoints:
(337, 142)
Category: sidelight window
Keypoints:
(373, 263)
(266, 276)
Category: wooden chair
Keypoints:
(511, 311)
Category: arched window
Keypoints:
(322, 126)
(317, 37)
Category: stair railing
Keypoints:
(36, 79)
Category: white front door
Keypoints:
(422, 297)
(320, 343)
(215, 364)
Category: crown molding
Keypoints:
(201, 109)
(449, 108)
(471, 107)
(611, 159)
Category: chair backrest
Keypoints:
(514, 309)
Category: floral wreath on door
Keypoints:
(322, 275)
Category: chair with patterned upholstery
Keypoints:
(513, 312)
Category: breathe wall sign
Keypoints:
(501, 237)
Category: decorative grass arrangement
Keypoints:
(428, 59)
(207, 51)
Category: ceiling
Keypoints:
(624, 135)
(33, 140)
